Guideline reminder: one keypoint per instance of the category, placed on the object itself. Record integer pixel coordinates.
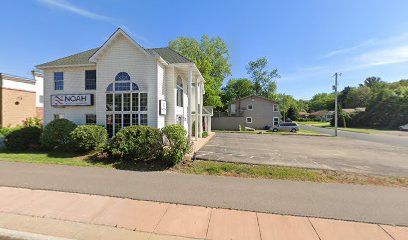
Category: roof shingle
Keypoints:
(169, 55)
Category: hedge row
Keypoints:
(134, 143)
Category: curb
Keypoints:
(7, 234)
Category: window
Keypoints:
(275, 107)
(90, 80)
(41, 99)
(58, 81)
(58, 116)
(125, 105)
(275, 121)
(180, 92)
(143, 119)
(143, 101)
(250, 107)
(90, 119)
(249, 120)
(233, 108)
(122, 76)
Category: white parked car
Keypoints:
(403, 127)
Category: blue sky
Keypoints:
(306, 40)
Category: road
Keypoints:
(337, 201)
(401, 141)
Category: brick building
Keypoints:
(20, 98)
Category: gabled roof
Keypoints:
(88, 57)
(76, 59)
(169, 55)
(254, 96)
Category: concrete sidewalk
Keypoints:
(81, 216)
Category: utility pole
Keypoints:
(284, 108)
(336, 76)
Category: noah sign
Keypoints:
(72, 100)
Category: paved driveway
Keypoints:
(321, 152)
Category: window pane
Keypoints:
(179, 97)
(143, 119)
(109, 102)
(122, 86)
(109, 124)
(118, 102)
(58, 80)
(90, 119)
(118, 122)
(135, 101)
(135, 119)
(126, 102)
(126, 120)
(143, 102)
(122, 76)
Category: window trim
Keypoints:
(275, 107)
(252, 107)
(60, 116)
(273, 121)
(246, 120)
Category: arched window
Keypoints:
(122, 76)
(180, 92)
(125, 104)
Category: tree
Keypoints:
(322, 101)
(263, 80)
(212, 59)
(236, 88)
(293, 113)
(373, 82)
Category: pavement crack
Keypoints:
(386, 232)
(311, 224)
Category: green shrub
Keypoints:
(23, 138)
(177, 143)
(137, 143)
(7, 131)
(57, 134)
(86, 138)
(32, 122)
(205, 134)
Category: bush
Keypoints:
(23, 138)
(177, 143)
(7, 131)
(205, 134)
(86, 138)
(32, 122)
(57, 134)
(137, 143)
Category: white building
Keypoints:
(121, 84)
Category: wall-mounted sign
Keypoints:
(163, 107)
(72, 100)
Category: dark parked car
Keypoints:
(286, 127)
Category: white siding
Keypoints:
(10, 84)
(123, 56)
(39, 88)
(74, 83)
(170, 95)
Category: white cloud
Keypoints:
(63, 4)
(342, 51)
(385, 57)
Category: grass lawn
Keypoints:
(207, 168)
(286, 173)
(315, 123)
(300, 132)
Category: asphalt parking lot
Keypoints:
(318, 152)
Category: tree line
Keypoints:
(386, 103)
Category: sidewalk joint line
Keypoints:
(208, 225)
(259, 227)
(161, 218)
(317, 234)
(386, 232)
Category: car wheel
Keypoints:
(275, 130)
(293, 130)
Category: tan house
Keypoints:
(251, 111)
(20, 98)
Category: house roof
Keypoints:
(169, 55)
(352, 110)
(320, 113)
(253, 96)
(4, 76)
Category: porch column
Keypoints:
(189, 95)
(200, 133)
(196, 109)
(209, 123)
